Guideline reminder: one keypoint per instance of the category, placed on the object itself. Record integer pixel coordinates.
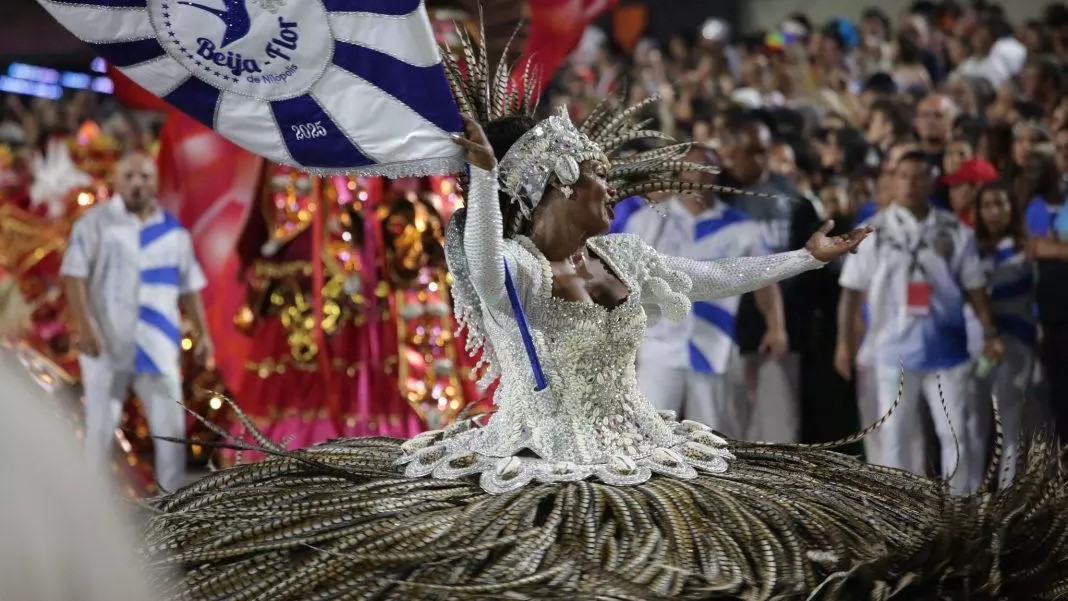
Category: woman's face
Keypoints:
(956, 153)
(884, 187)
(781, 160)
(830, 154)
(1031, 178)
(963, 95)
(860, 192)
(1061, 146)
(702, 131)
(879, 128)
(982, 41)
(1059, 118)
(873, 32)
(829, 51)
(1030, 80)
(995, 211)
(957, 51)
(1032, 40)
(589, 206)
(1023, 145)
(678, 49)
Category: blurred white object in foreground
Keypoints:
(62, 532)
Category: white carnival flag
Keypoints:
(329, 86)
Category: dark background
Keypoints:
(674, 17)
(29, 34)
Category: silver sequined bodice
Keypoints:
(591, 420)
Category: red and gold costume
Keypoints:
(383, 361)
(433, 372)
(34, 229)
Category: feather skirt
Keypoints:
(340, 521)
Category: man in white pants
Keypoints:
(685, 366)
(917, 273)
(128, 266)
(770, 382)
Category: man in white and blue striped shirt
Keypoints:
(686, 366)
(128, 266)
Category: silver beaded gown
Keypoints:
(583, 491)
(590, 421)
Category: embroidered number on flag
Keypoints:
(309, 131)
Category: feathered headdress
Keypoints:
(55, 177)
(504, 92)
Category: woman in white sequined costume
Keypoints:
(576, 488)
(586, 298)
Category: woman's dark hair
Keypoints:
(1045, 40)
(998, 146)
(502, 134)
(894, 112)
(950, 9)
(983, 236)
(984, 92)
(881, 84)
(767, 118)
(968, 128)
(1050, 72)
(925, 8)
(1046, 180)
(999, 24)
(788, 123)
(854, 149)
(808, 162)
(874, 12)
(908, 50)
(1056, 14)
(802, 19)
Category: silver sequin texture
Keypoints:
(591, 421)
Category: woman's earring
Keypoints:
(567, 173)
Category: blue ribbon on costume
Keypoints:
(524, 329)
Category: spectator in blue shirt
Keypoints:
(1047, 224)
(1010, 276)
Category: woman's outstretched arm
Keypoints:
(733, 276)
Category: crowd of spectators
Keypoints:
(950, 104)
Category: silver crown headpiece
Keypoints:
(553, 147)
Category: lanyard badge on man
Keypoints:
(918, 290)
